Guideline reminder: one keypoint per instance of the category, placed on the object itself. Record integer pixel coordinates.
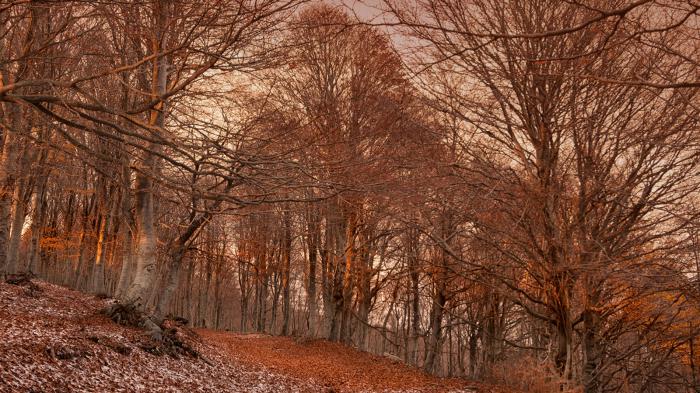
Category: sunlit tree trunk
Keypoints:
(146, 242)
(19, 215)
(104, 234)
(7, 178)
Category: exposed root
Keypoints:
(24, 280)
(19, 279)
(173, 343)
(112, 344)
(176, 321)
(65, 352)
(126, 314)
(169, 337)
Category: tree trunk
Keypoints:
(286, 261)
(217, 290)
(327, 282)
(146, 254)
(564, 331)
(19, 215)
(365, 257)
(101, 252)
(38, 223)
(244, 285)
(564, 344)
(127, 231)
(172, 279)
(435, 336)
(261, 298)
(339, 264)
(98, 281)
(177, 251)
(415, 295)
(592, 346)
(313, 239)
(7, 185)
(593, 351)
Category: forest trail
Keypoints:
(53, 339)
(332, 366)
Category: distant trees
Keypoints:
(344, 86)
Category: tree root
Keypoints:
(24, 280)
(112, 344)
(65, 352)
(126, 314)
(167, 337)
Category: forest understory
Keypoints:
(502, 191)
(58, 340)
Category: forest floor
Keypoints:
(53, 339)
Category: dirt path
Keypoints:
(333, 367)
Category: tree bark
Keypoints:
(286, 272)
(415, 295)
(19, 215)
(592, 346)
(38, 223)
(432, 349)
(146, 254)
(313, 239)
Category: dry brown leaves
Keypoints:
(56, 340)
(333, 367)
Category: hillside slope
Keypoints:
(55, 340)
